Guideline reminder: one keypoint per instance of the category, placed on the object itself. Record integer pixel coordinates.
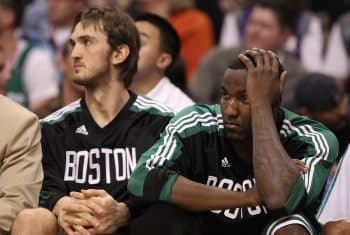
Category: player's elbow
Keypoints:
(133, 186)
(274, 202)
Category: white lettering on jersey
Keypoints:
(229, 184)
(85, 166)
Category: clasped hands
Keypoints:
(91, 212)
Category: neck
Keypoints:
(142, 84)
(8, 43)
(106, 100)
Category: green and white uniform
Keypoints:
(194, 145)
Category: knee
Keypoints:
(293, 229)
(29, 217)
(336, 228)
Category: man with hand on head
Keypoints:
(91, 146)
(246, 166)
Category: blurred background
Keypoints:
(310, 36)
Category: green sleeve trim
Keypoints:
(166, 191)
(295, 196)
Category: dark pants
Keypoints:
(166, 219)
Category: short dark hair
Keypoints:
(17, 6)
(317, 92)
(169, 39)
(120, 29)
(237, 64)
(287, 17)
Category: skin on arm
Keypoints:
(275, 173)
(195, 196)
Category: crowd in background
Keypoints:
(310, 37)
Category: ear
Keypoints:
(164, 61)
(283, 80)
(120, 54)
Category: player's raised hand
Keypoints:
(263, 81)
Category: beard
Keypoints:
(90, 76)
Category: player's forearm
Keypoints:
(194, 196)
(274, 171)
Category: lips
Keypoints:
(77, 65)
(231, 125)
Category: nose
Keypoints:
(75, 52)
(231, 108)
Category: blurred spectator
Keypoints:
(337, 59)
(319, 97)
(33, 81)
(21, 173)
(4, 73)
(160, 46)
(269, 26)
(195, 30)
(306, 41)
(35, 22)
(177, 74)
(158, 7)
(70, 90)
(61, 16)
(230, 35)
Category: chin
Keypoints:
(234, 136)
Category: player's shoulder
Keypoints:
(146, 105)
(292, 120)
(61, 114)
(197, 118)
(301, 126)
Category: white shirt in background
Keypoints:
(170, 95)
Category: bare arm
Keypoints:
(194, 196)
(275, 173)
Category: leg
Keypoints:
(37, 221)
(163, 218)
(297, 224)
(293, 229)
(341, 227)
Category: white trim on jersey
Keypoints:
(288, 220)
(166, 150)
(320, 143)
(60, 113)
(146, 103)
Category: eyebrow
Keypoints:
(222, 88)
(80, 38)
